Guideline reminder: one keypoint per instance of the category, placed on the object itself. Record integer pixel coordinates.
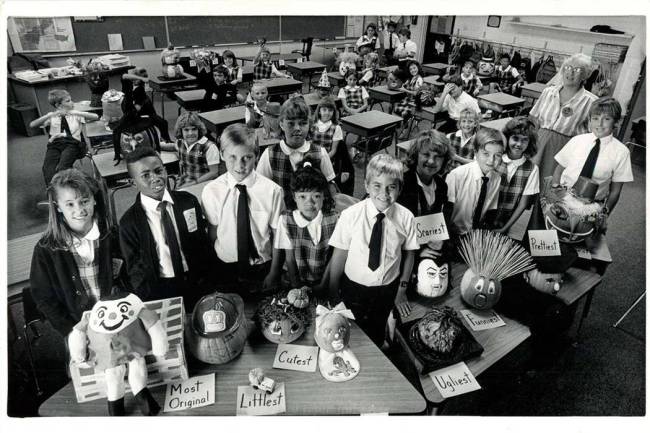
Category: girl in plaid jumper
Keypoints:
(354, 98)
(519, 175)
(305, 229)
(461, 140)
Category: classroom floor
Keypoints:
(603, 374)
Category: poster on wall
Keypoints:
(28, 35)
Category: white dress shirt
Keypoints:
(84, 246)
(455, 106)
(322, 127)
(282, 240)
(220, 198)
(353, 231)
(295, 156)
(150, 206)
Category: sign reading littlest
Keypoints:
(252, 401)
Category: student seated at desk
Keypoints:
(509, 79)
(243, 209)
(280, 160)
(255, 104)
(473, 189)
(453, 100)
(219, 92)
(64, 145)
(597, 155)
(354, 98)
(470, 82)
(78, 260)
(163, 235)
(324, 87)
(263, 68)
(368, 241)
(198, 156)
(235, 73)
(407, 49)
(369, 39)
(369, 72)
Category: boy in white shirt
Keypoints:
(454, 100)
(368, 241)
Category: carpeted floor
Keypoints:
(603, 374)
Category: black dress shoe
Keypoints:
(116, 408)
(147, 404)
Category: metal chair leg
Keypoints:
(30, 357)
(629, 310)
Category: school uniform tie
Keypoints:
(390, 41)
(422, 199)
(590, 162)
(476, 219)
(245, 244)
(65, 127)
(169, 233)
(375, 243)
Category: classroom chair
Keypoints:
(32, 316)
(306, 48)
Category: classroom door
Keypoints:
(438, 40)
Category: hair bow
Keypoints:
(322, 312)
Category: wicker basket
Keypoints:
(222, 336)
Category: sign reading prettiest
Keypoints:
(543, 243)
(481, 320)
(454, 380)
(295, 357)
(194, 392)
(252, 401)
(431, 228)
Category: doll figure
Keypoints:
(97, 80)
(433, 278)
(203, 59)
(171, 69)
(120, 330)
(336, 362)
(347, 60)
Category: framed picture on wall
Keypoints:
(29, 35)
(494, 21)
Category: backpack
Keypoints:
(546, 71)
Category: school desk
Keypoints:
(262, 141)
(435, 68)
(496, 342)
(434, 80)
(378, 388)
(305, 69)
(500, 102)
(216, 120)
(85, 107)
(190, 100)
(532, 91)
(247, 73)
(384, 94)
(35, 93)
(384, 72)
(96, 135)
(282, 86)
(497, 124)
(169, 87)
(370, 125)
(313, 99)
(336, 79)
(275, 58)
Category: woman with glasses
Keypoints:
(562, 112)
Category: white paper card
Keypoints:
(115, 42)
(543, 243)
(281, 62)
(252, 401)
(190, 220)
(296, 357)
(194, 392)
(299, 59)
(192, 63)
(454, 380)
(481, 320)
(583, 253)
(431, 228)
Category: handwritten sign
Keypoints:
(543, 243)
(481, 320)
(454, 380)
(295, 357)
(281, 62)
(431, 228)
(192, 63)
(194, 392)
(252, 401)
(583, 253)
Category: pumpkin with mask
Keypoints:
(280, 321)
(433, 278)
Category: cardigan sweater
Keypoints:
(409, 197)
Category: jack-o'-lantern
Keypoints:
(573, 212)
(491, 257)
(548, 275)
(280, 321)
(112, 105)
(336, 362)
(347, 61)
(203, 59)
(130, 140)
(485, 66)
(170, 59)
(433, 278)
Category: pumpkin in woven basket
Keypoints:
(280, 321)
(219, 329)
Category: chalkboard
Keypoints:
(212, 30)
(93, 35)
(319, 27)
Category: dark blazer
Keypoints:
(409, 197)
(140, 251)
(56, 285)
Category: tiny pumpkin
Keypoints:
(299, 298)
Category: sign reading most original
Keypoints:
(194, 392)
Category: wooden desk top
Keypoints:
(496, 342)
(19, 257)
(436, 65)
(433, 80)
(96, 129)
(57, 80)
(497, 124)
(275, 57)
(308, 66)
(158, 84)
(379, 387)
(386, 69)
(222, 118)
(385, 90)
(535, 87)
(278, 83)
(262, 141)
(370, 120)
(106, 168)
(196, 189)
(500, 98)
(85, 106)
(312, 99)
(185, 96)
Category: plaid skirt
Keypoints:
(405, 107)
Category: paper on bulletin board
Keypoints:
(194, 392)
(482, 320)
(115, 42)
(543, 243)
(454, 380)
(431, 228)
(251, 401)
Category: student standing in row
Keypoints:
(461, 140)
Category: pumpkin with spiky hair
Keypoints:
(491, 257)
(280, 321)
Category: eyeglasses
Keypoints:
(578, 69)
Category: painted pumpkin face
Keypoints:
(574, 219)
(393, 82)
(283, 330)
(129, 141)
(545, 283)
(433, 280)
(109, 317)
(332, 332)
(299, 298)
(478, 291)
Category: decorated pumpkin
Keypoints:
(280, 321)
(485, 66)
(347, 61)
(336, 362)
(219, 328)
(548, 275)
(130, 140)
(299, 298)
(491, 257)
(203, 59)
(572, 212)
(170, 59)
(112, 105)
(433, 278)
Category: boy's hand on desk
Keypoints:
(402, 304)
